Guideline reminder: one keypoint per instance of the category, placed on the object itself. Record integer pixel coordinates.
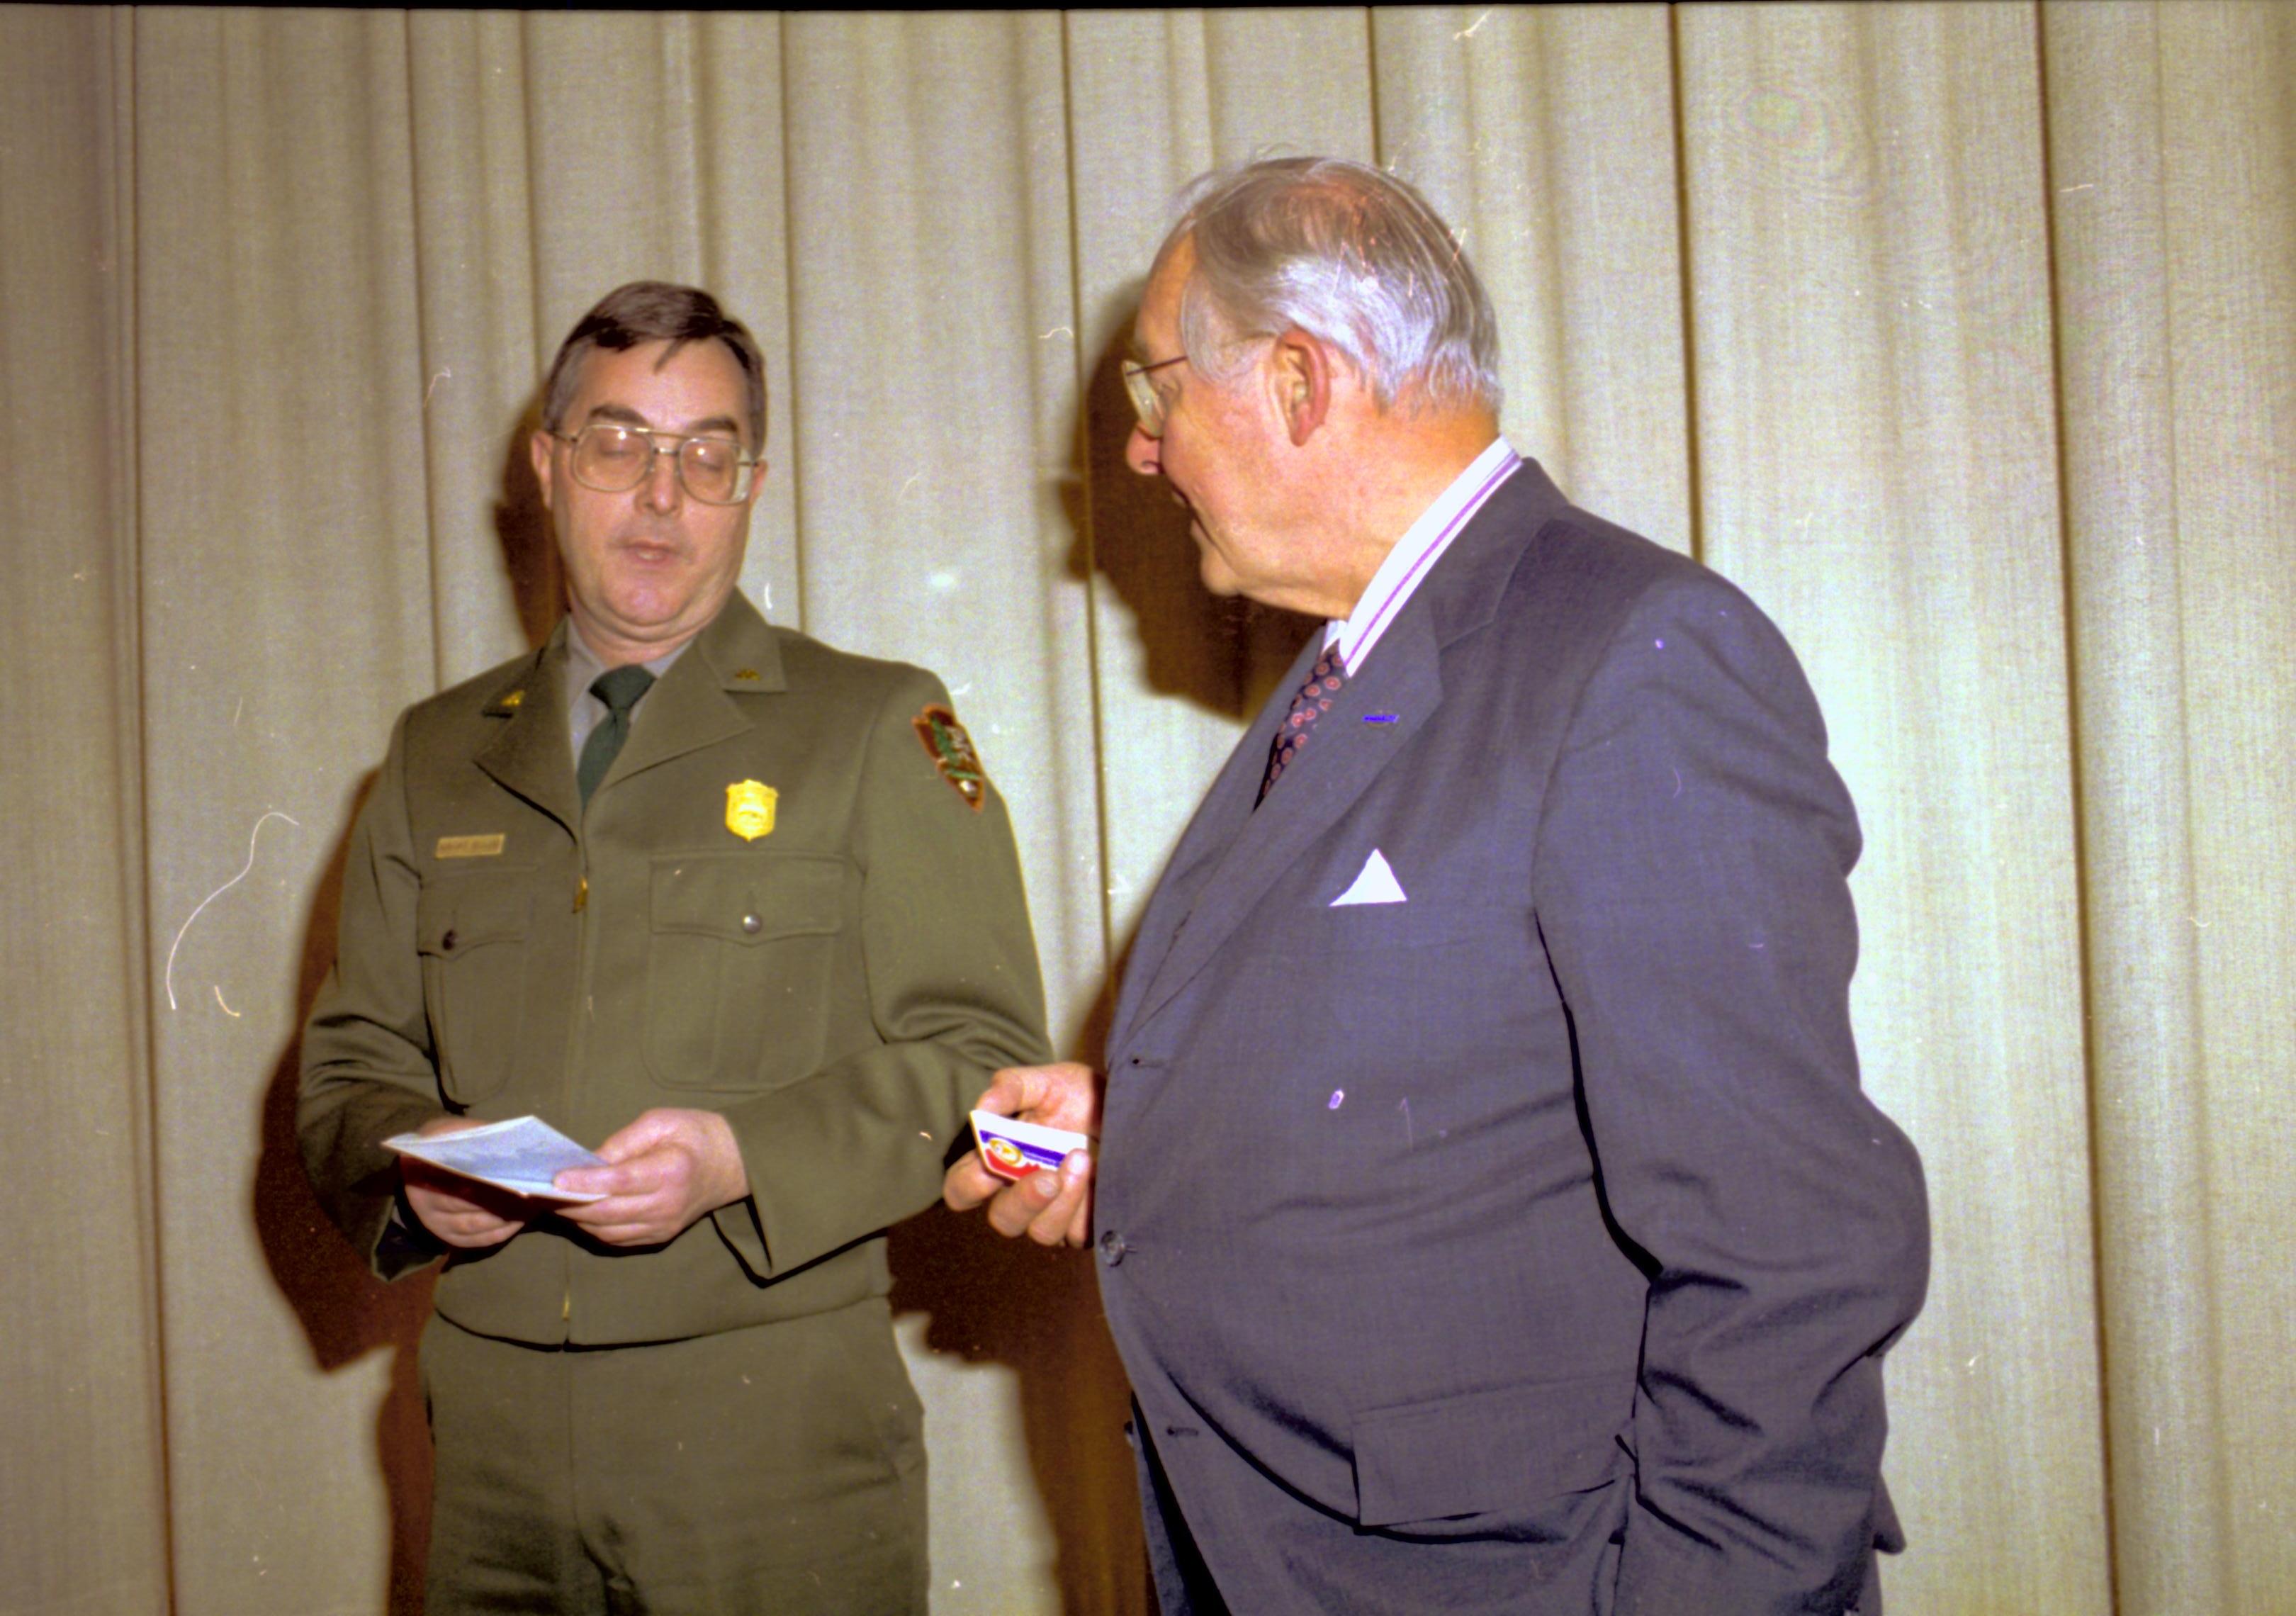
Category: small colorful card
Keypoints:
(1012, 1149)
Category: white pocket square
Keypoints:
(1376, 885)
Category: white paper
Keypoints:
(521, 1155)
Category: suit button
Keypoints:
(1113, 1247)
(751, 925)
(446, 943)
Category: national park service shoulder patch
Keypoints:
(952, 753)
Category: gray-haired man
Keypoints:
(1489, 1216)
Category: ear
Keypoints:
(538, 448)
(1300, 369)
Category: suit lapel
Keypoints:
(1210, 832)
(1401, 686)
(1231, 854)
(689, 708)
(531, 756)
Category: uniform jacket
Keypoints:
(839, 987)
(1525, 1245)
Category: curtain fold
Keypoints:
(83, 1498)
(2180, 309)
(1962, 335)
(2106, 137)
(1877, 464)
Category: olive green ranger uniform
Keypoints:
(791, 900)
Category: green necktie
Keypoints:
(620, 689)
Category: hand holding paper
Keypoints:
(472, 1184)
(654, 1178)
(522, 1156)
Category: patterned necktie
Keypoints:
(1313, 700)
(620, 689)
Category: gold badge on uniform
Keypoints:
(750, 809)
(469, 847)
(953, 754)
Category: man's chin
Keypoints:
(1214, 573)
(659, 598)
(646, 616)
(641, 621)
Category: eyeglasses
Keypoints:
(1145, 402)
(614, 458)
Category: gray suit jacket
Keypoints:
(1527, 1244)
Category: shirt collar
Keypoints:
(583, 667)
(585, 663)
(1415, 553)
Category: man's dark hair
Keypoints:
(655, 311)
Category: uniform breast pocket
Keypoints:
(470, 933)
(737, 991)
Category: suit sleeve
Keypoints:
(367, 1066)
(1693, 896)
(954, 992)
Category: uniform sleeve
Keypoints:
(1693, 896)
(367, 1068)
(954, 991)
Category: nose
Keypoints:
(661, 491)
(1143, 453)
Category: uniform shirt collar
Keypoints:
(584, 710)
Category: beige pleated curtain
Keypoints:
(1964, 336)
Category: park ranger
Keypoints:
(741, 912)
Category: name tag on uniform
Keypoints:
(470, 847)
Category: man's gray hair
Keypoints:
(1347, 254)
